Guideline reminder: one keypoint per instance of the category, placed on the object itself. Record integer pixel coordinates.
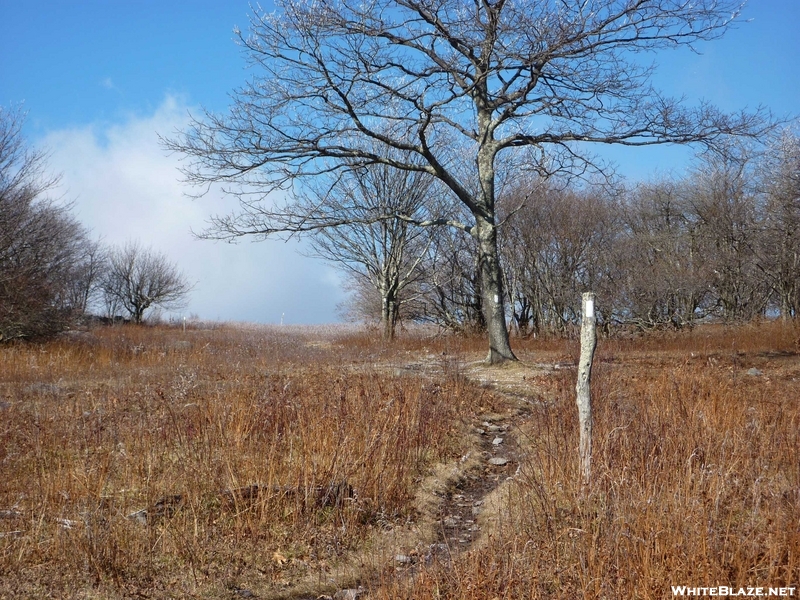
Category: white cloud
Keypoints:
(126, 187)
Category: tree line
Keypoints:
(721, 243)
(52, 273)
(479, 102)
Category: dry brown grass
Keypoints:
(97, 427)
(696, 465)
(696, 479)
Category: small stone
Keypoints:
(67, 523)
(498, 461)
(140, 516)
(497, 441)
(753, 372)
(451, 521)
(349, 594)
(402, 559)
(439, 549)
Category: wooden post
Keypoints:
(583, 389)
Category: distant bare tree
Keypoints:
(384, 253)
(722, 193)
(779, 248)
(661, 268)
(137, 279)
(43, 249)
(555, 249)
(450, 289)
(84, 290)
(460, 91)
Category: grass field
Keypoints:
(229, 462)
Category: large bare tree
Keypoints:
(447, 87)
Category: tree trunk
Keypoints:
(389, 317)
(137, 314)
(492, 293)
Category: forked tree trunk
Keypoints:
(492, 293)
(138, 313)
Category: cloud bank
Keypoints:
(125, 187)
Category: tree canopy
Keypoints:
(48, 264)
(446, 87)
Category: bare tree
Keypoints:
(661, 271)
(43, 249)
(447, 87)
(137, 279)
(779, 247)
(384, 253)
(553, 250)
(84, 291)
(722, 195)
(450, 289)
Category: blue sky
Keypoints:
(99, 80)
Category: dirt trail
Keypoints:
(462, 511)
(457, 503)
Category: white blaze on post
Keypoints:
(590, 308)
(496, 299)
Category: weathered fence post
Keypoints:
(588, 345)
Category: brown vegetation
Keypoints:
(272, 461)
(696, 478)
